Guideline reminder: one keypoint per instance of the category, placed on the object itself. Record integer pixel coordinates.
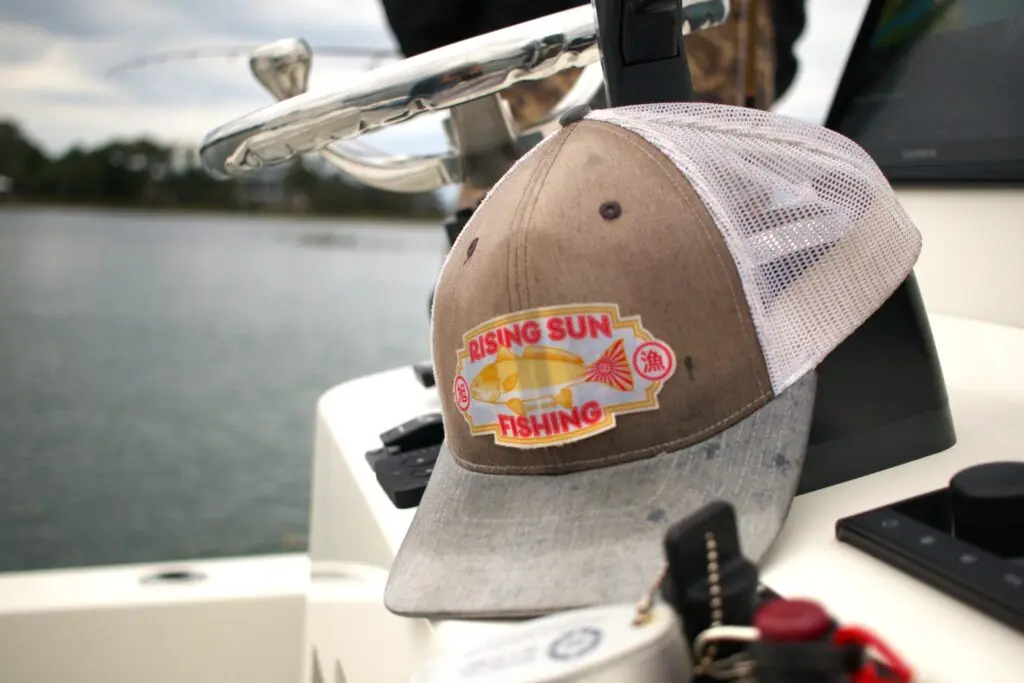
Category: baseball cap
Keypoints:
(627, 329)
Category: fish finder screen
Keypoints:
(934, 89)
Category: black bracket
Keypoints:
(642, 51)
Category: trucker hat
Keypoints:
(627, 329)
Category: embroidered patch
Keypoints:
(550, 376)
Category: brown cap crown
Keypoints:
(597, 215)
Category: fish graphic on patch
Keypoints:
(542, 376)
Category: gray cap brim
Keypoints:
(486, 546)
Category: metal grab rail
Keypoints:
(434, 81)
(428, 172)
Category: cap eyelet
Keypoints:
(610, 210)
(574, 115)
(471, 249)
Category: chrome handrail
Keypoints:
(434, 81)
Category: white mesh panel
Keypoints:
(819, 239)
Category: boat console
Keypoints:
(904, 526)
(903, 523)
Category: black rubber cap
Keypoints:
(988, 506)
(792, 621)
(574, 114)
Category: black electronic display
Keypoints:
(933, 90)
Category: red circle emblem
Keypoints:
(461, 391)
(653, 361)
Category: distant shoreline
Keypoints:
(404, 219)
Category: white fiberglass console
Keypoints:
(970, 279)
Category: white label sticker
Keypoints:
(553, 375)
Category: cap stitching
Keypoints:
(537, 150)
(448, 261)
(516, 223)
(525, 280)
(617, 458)
(661, 160)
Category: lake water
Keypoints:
(159, 373)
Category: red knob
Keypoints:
(792, 621)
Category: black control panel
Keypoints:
(424, 373)
(709, 583)
(966, 540)
(404, 476)
(425, 430)
(406, 458)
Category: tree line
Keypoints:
(143, 173)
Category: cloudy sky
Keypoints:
(54, 54)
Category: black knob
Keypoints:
(988, 507)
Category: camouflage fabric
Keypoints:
(719, 56)
(718, 60)
(528, 101)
